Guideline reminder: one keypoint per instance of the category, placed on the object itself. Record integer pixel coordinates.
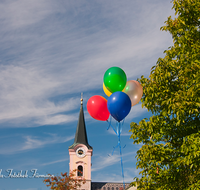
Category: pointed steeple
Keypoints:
(81, 134)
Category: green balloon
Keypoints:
(115, 79)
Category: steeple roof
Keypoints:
(81, 134)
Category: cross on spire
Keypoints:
(81, 98)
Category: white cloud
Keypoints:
(64, 48)
(21, 13)
(104, 161)
(33, 142)
(56, 161)
(26, 93)
(57, 119)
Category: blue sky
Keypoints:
(50, 52)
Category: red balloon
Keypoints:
(97, 108)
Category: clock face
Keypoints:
(80, 152)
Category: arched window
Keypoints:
(80, 171)
(116, 188)
(112, 188)
(108, 188)
(104, 188)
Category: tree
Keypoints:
(65, 182)
(170, 154)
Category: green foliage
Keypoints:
(65, 182)
(170, 155)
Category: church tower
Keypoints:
(80, 152)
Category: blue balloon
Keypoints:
(119, 105)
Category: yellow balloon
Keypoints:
(106, 91)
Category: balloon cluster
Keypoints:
(122, 95)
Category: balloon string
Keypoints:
(111, 126)
(122, 123)
(121, 126)
(118, 133)
(109, 122)
(120, 149)
(117, 126)
(119, 129)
